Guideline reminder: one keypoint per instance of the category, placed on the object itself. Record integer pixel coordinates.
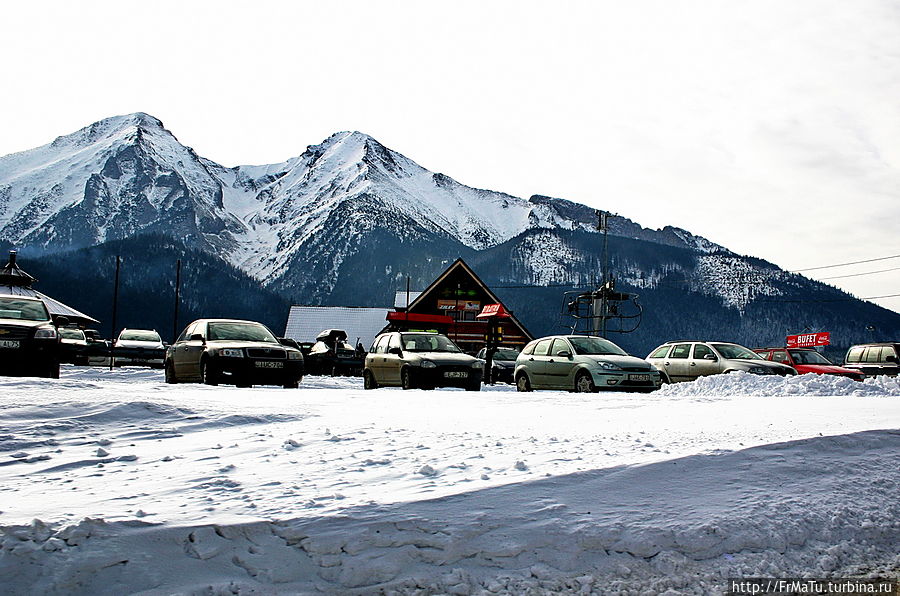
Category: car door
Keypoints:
(392, 362)
(703, 362)
(187, 360)
(558, 369)
(536, 363)
(179, 351)
(375, 358)
(676, 364)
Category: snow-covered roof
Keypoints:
(55, 307)
(306, 322)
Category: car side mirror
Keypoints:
(197, 337)
(712, 357)
(564, 354)
(62, 321)
(396, 351)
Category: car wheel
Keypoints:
(584, 383)
(522, 383)
(171, 379)
(369, 381)
(406, 379)
(207, 374)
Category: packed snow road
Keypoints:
(114, 482)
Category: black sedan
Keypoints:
(29, 342)
(242, 353)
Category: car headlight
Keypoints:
(759, 370)
(608, 365)
(295, 356)
(45, 333)
(231, 353)
(428, 364)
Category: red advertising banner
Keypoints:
(809, 340)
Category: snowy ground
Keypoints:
(116, 483)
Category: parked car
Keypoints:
(29, 341)
(139, 347)
(687, 360)
(73, 346)
(421, 359)
(502, 364)
(807, 361)
(98, 349)
(242, 353)
(582, 363)
(874, 359)
(332, 355)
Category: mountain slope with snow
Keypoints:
(350, 213)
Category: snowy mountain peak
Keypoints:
(126, 126)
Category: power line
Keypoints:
(859, 274)
(844, 264)
(832, 299)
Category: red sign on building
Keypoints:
(492, 310)
(809, 340)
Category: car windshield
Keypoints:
(240, 332)
(416, 342)
(27, 310)
(71, 333)
(139, 335)
(506, 354)
(809, 357)
(736, 352)
(595, 346)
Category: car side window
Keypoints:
(529, 349)
(700, 351)
(378, 346)
(855, 355)
(890, 351)
(681, 351)
(560, 345)
(542, 347)
(660, 352)
(394, 341)
(184, 334)
(781, 356)
(873, 354)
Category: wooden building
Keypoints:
(450, 305)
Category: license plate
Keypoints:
(638, 377)
(9, 343)
(456, 374)
(266, 364)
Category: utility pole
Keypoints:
(600, 304)
(177, 299)
(115, 307)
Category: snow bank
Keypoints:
(746, 384)
(683, 525)
(113, 482)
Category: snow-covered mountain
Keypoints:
(348, 220)
(127, 175)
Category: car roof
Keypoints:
(19, 297)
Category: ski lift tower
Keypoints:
(592, 310)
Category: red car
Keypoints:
(805, 361)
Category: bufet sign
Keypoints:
(809, 340)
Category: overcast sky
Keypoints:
(770, 127)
